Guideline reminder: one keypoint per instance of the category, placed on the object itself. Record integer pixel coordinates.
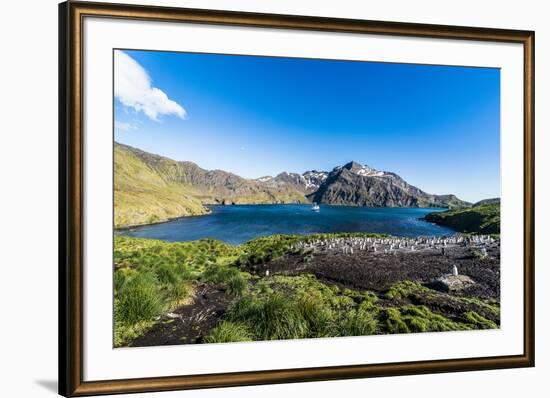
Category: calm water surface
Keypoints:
(238, 224)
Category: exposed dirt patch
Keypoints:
(189, 323)
(377, 271)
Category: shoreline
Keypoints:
(128, 227)
(209, 206)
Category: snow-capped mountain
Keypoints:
(360, 185)
(351, 184)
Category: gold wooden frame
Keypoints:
(71, 15)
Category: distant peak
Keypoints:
(353, 165)
(361, 169)
(356, 166)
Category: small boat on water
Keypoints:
(315, 207)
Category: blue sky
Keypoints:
(436, 126)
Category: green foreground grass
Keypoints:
(152, 277)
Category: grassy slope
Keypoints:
(148, 193)
(152, 277)
(226, 187)
(484, 218)
(142, 196)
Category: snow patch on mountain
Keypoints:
(369, 172)
(314, 179)
(264, 179)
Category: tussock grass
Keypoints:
(124, 332)
(490, 307)
(271, 318)
(406, 289)
(219, 274)
(415, 292)
(318, 316)
(473, 318)
(188, 259)
(417, 319)
(361, 321)
(152, 277)
(236, 285)
(229, 332)
(230, 276)
(301, 306)
(139, 299)
(179, 292)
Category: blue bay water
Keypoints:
(240, 223)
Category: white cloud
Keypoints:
(124, 126)
(133, 89)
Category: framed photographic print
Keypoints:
(250, 198)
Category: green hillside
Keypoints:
(151, 188)
(143, 196)
(483, 218)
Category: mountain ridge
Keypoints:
(190, 188)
